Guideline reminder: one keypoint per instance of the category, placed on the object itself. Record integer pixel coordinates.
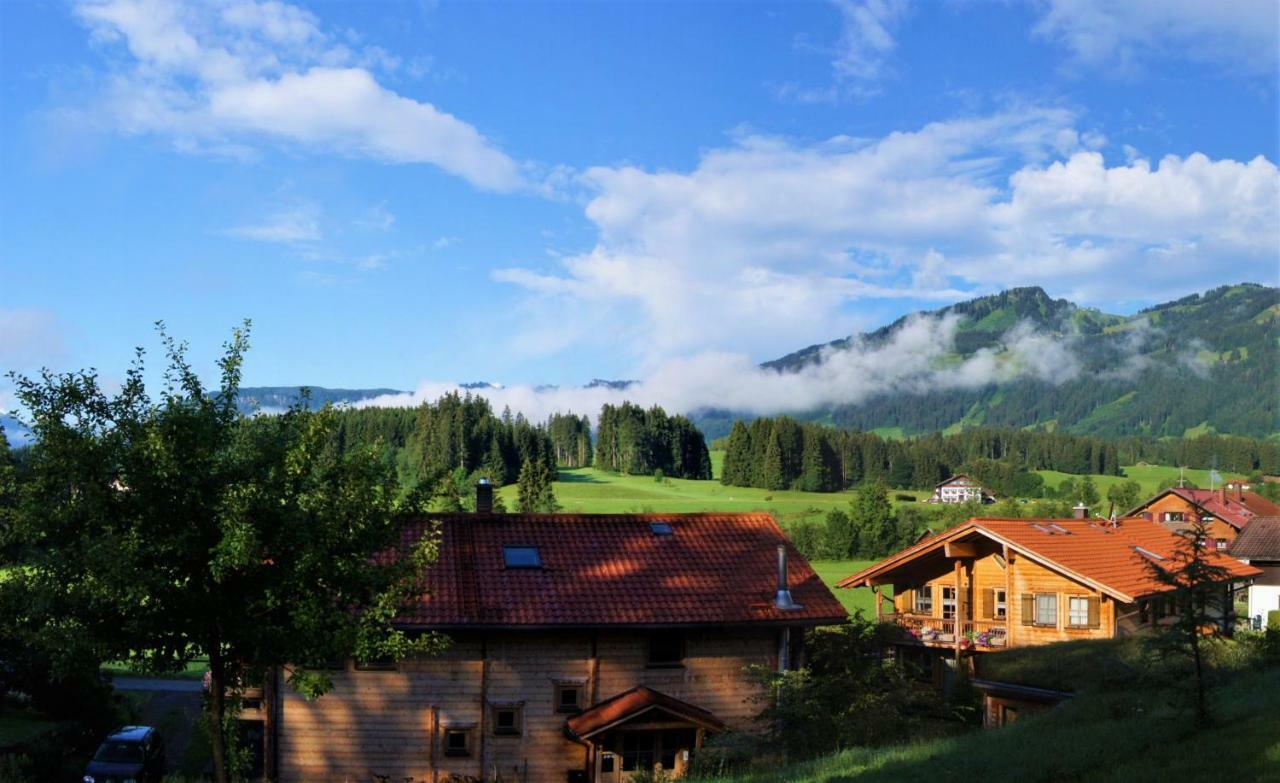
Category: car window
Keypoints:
(116, 752)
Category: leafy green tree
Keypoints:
(1125, 495)
(1088, 492)
(872, 517)
(166, 530)
(840, 537)
(1200, 600)
(534, 492)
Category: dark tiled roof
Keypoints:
(602, 570)
(1091, 550)
(633, 703)
(1260, 540)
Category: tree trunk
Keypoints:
(217, 712)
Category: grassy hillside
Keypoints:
(1149, 477)
(1125, 736)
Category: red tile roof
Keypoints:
(1090, 551)
(603, 570)
(1260, 540)
(634, 703)
(1234, 508)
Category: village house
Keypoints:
(992, 584)
(1259, 546)
(584, 648)
(1227, 510)
(960, 489)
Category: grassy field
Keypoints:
(1129, 736)
(591, 491)
(832, 571)
(1149, 477)
(194, 671)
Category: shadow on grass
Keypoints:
(566, 477)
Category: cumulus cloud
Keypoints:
(918, 358)
(1240, 34)
(770, 242)
(224, 76)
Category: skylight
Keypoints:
(661, 528)
(521, 557)
(1147, 553)
(1059, 528)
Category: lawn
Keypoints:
(861, 598)
(591, 491)
(1149, 477)
(194, 671)
(1121, 735)
(18, 724)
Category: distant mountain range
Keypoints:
(1204, 363)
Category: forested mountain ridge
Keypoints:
(1203, 363)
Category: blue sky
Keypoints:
(546, 193)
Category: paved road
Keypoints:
(156, 684)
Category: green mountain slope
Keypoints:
(1204, 363)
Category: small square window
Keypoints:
(506, 720)
(666, 650)
(568, 698)
(1046, 608)
(661, 528)
(1002, 604)
(1078, 611)
(521, 557)
(924, 600)
(457, 742)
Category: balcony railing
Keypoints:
(940, 632)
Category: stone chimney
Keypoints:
(484, 497)
(1080, 511)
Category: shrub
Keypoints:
(1273, 620)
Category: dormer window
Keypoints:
(521, 557)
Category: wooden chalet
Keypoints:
(960, 489)
(1259, 546)
(585, 648)
(992, 584)
(1227, 510)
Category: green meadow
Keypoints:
(1149, 477)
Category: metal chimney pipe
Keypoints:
(782, 599)
(484, 497)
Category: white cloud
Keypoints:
(915, 360)
(767, 242)
(297, 224)
(224, 76)
(1241, 34)
(861, 57)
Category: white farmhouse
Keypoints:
(960, 489)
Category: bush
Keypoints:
(905, 498)
(1273, 620)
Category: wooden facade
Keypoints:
(993, 584)
(402, 722)
(1177, 513)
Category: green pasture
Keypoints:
(1149, 477)
(857, 599)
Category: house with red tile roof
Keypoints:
(584, 648)
(1259, 546)
(1227, 510)
(992, 584)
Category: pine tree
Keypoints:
(771, 476)
(872, 517)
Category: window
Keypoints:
(666, 650)
(506, 720)
(568, 697)
(1077, 611)
(1046, 608)
(521, 557)
(661, 528)
(457, 742)
(1173, 516)
(1219, 543)
(637, 751)
(1002, 604)
(948, 603)
(606, 762)
(924, 600)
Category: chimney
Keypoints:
(484, 497)
(782, 599)
(1080, 511)
(1240, 491)
(1223, 495)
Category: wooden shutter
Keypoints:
(989, 603)
(1028, 609)
(1095, 613)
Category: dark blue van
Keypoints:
(133, 754)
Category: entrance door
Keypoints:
(628, 752)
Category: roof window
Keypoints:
(1147, 553)
(521, 557)
(661, 528)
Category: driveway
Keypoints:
(172, 706)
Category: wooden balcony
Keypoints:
(976, 635)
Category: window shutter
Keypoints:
(988, 603)
(1095, 613)
(1028, 609)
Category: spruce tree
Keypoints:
(771, 476)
